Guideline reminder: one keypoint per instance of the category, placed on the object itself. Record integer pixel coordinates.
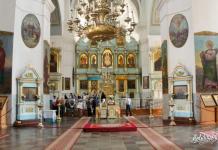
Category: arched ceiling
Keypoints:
(145, 12)
(134, 5)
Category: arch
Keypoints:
(137, 5)
(56, 21)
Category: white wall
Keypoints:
(22, 55)
(204, 19)
(66, 43)
(7, 7)
(186, 54)
(205, 15)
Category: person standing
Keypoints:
(103, 97)
(2, 62)
(88, 105)
(128, 106)
(94, 103)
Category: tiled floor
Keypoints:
(33, 138)
(181, 135)
(38, 139)
(112, 141)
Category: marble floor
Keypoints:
(182, 135)
(33, 138)
(112, 141)
(38, 139)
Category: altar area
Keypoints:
(108, 109)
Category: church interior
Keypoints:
(108, 74)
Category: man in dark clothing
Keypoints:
(88, 104)
(103, 96)
(94, 105)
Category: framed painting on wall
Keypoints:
(208, 100)
(30, 30)
(120, 60)
(131, 61)
(84, 61)
(206, 64)
(107, 58)
(46, 67)
(67, 83)
(164, 66)
(146, 82)
(94, 61)
(180, 91)
(178, 30)
(6, 57)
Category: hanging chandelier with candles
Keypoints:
(98, 19)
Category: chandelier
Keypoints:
(98, 20)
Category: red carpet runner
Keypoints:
(91, 127)
(68, 138)
(158, 141)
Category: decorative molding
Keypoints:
(206, 33)
(49, 4)
(161, 4)
(155, 17)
